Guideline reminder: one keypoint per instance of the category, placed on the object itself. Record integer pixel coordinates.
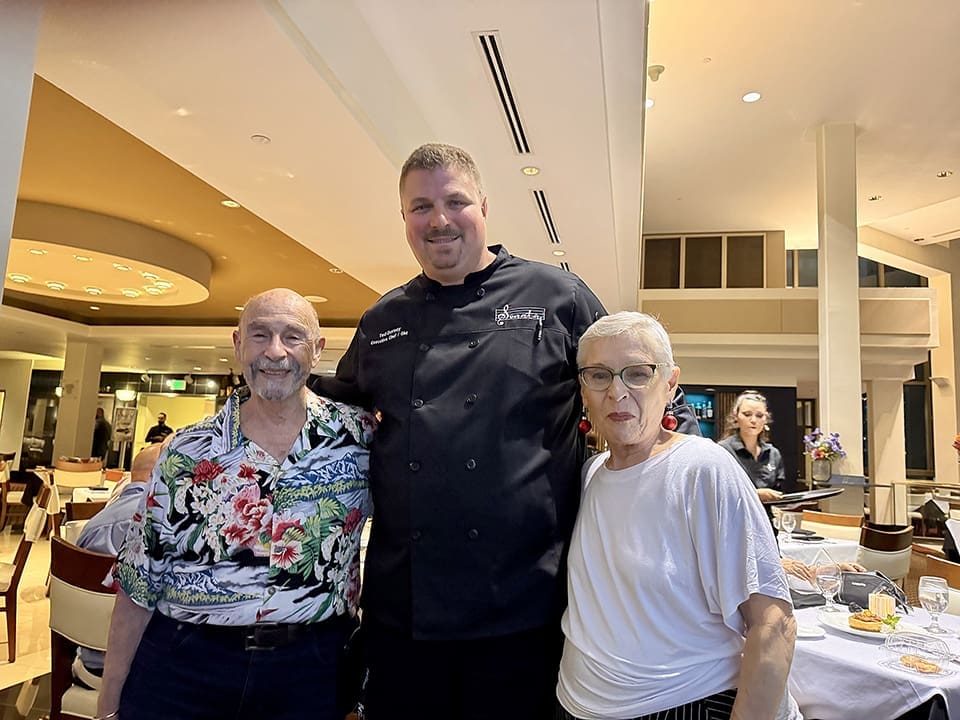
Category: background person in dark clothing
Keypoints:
(102, 430)
(160, 431)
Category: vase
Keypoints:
(820, 470)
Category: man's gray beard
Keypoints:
(275, 394)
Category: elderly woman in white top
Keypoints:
(677, 601)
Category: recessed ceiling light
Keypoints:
(336, 271)
(165, 284)
(315, 298)
(944, 173)
(91, 290)
(197, 368)
(874, 198)
(19, 277)
(230, 203)
(37, 251)
(121, 267)
(223, 359)
(260, 139)
(751, 97)
(182, 112)
(238, 307)
(83, 258)
(55, 285)
(151, 290)
(146, 358)
(559, 253)
(530, 170)
(149, 275)
(649, 103)
(130, 293)
(94, 307)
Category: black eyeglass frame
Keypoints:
(619, 373)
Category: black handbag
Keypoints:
(855, 587)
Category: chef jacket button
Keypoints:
(424, 347)
(481, 292)
(430, 297)
(473, 533)
(414, 466)
(418, 403)
(471, 399)
(471, 464)
(416, 535)
(473, 343)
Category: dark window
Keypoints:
(895, 277)
(869, 272)
(791, 254)
(806, 268)
(661, 263)
(744, 261)
(703, 262)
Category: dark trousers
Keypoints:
(714, 707)
(183, 671)
(512, 676)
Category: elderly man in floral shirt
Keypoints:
(240, 573)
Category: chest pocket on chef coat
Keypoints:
(383, 364)
(536, 352)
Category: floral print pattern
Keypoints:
(230, 536)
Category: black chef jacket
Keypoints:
(475, 468)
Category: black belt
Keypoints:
(263, 636)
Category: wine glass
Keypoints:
(934, 597)
(828, 581)
(788, 523)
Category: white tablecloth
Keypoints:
(89, 494)
(838, 677)
(806, 552)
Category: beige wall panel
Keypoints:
(895, 317)
(799, 316)
(716, 316)
(776, 259)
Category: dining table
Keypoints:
(812, 552)
(838, 674)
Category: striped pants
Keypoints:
(715, 707)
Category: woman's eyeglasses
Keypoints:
(636, 377)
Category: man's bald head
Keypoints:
(281, 300)
(144, 462)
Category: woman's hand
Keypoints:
(798, 569)
(768, 494)
(851, 567)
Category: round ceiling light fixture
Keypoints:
(944, 173)
(37, 251)
(649, 103)
(83, 258)
(336, 271)
(55, 285)
(315, 298)
(874, 198)
(751, 97)
(121, 267)
(260, 139)
(559, 253)
(19, 278)
(530, 170)
(91, 290)
(230, 203)
(130, 292)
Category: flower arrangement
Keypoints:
(820, 445)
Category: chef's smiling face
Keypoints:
(445, 217)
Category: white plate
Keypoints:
(840, 621)
(810, 631)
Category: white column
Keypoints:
(18, 40)
(15, 382)
(78, 403)
(887, 450)
(838, 291)
(943, 384)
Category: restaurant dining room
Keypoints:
(777, 184)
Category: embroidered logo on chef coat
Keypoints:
(507, 313)
(388, 335)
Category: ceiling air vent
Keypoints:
(489, 43)
(565, 265)
(546, 216)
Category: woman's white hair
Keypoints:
(644, 329)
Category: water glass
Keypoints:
(934, 597)
(828, 581)
(788, 523)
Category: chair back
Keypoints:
(80, 612)
(19, 563)
(83, 510)
(886, 540)
(949, 571)
(895, 565)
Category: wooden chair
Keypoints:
(832, 525)
(10, 574)
(949, 571)
(82, 510)
(887, 551)
(11, 493)
(80, 612)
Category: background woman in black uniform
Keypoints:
(747, 425)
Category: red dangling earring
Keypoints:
(669, 421)
(584, 426)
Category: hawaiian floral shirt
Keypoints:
(226, 535)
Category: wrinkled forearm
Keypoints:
(126, 628)
(767, 656)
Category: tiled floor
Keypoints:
(33, 614)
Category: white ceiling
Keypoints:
(346, 89)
